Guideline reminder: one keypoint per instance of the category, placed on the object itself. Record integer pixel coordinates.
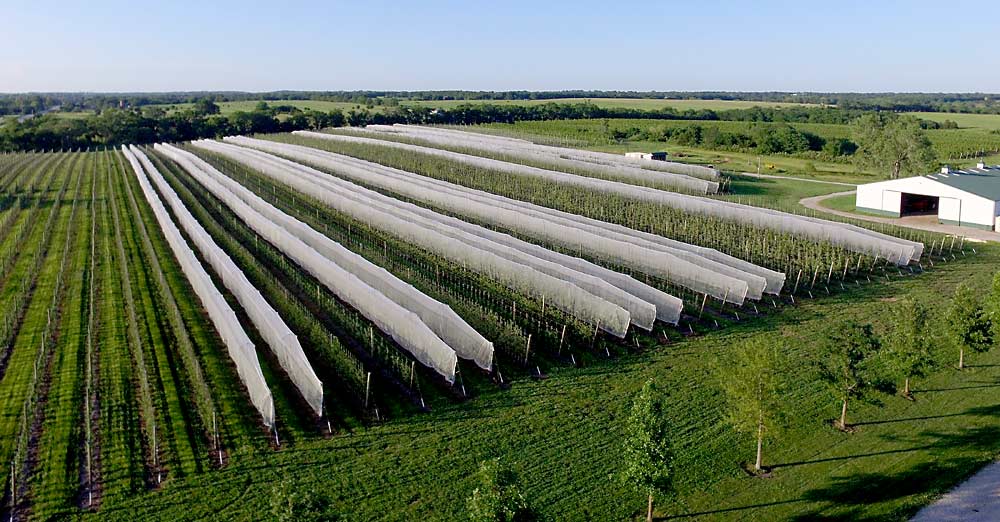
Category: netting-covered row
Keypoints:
(283, 342)
(527, 151)
(616, 164)
(705, 257)
(851, 237)
(399, 219)
(238, 344)
(403, 326)
(721, 282)
(601, 158)
(442, 320)
(644, 303)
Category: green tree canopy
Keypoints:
(992, 308)
(895, 144)
(852, 367)
(908, 345)
(300, 503)
(751, 380)
(497, 499)
(969, 324)
(648, 458)
(206, 106)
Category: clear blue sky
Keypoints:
(872, 45)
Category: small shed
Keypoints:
(656, 156)
(968, 198)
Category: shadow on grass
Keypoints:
(854, 496)
(728, 510)
(851, 457)
(956, 388)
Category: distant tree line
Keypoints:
(761, 139)
(114, 127)
(33, 103)
(152, 123)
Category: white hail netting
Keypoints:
(847, 236)
(524, 151)
(642, 312)
(508, 213)
(241, 349)
(265, 318)
(601, 158)
(705, 257)
(391, 216)
(441, 319)
(403, 326)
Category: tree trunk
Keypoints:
(649, 509)
(760, 446)
(843, 415)
(906, 387)
(961, 358)
(895, 170)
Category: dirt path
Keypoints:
(928, 223)
(976, 499)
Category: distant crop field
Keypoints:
(964, 121)
(630, 103)
(956, 146)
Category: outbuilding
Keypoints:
(968, 198)
(652, 156)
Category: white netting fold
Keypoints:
(401, 325)
(847, 236)
(238, 344)
(396, 218)
(451, 328)
(515, 216)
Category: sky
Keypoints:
(763, 45)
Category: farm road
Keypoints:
(928, 223)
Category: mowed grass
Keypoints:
(845, 203)
(564, 434)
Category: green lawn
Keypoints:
(564, 434)
(843, 203)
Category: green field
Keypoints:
(964, 121)
(628, 103)
(127, 341)
(564, 433)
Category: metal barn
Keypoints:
(968, 198)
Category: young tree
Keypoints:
(751, 383)
(300, 503)
(647, 454)
(908, 345)
(992, 308)
(969, 324)
(497, 499)
(897, 144)
(851, 367)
